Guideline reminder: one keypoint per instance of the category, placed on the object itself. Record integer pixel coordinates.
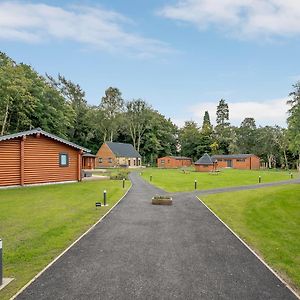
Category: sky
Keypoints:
(181, 56)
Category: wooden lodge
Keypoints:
(238, 161)
(111, 155)
(36, 157)
(173, 162)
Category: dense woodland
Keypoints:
(57, 105)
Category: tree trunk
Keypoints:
(270, 161)
(286, 160)
(299, 163)
(5, 118)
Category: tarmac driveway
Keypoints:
(140, 251)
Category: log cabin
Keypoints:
(112, 155)
(37, 157)
(238, 161)
(173, 162)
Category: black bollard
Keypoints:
(259, 179)
(150, 178)
(104, 197)
(123, 183)
(291, 175)
(195, 184)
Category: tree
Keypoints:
(112, 105)
(282, 141)
(189, 139)
(206, 125)
(138, 117)
(222, 130)
(246, 136)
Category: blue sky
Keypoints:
(181, 56)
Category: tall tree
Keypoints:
(189, 138)
(138, 117)
(206, 125)
(294, 121)
(112, 104)
(246, 140)
(222, 129)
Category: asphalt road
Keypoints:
(140, 251)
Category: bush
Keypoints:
(119, 175)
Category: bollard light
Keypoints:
(104, 197)
(291, 175)
(150, 177)
(1, 266)
(195, 184)
(123, 183)
(259, 179)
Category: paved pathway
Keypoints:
(140, 251)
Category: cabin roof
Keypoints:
(232, 156)
(42, 132)
(205, 160)
(123, 149)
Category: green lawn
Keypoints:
(175, 180)
(37, 223)
(268, 220)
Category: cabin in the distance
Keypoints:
(36, 157)
(205, 164)
(112, 155)
(238, 161)
(173, 162)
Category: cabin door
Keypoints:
(229, 163)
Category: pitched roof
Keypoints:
(180, 157)
(204, 160)
(232, 156)
(123, 150)
(42, 132)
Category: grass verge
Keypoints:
(38, 223)
(268, 220)
(175, 180)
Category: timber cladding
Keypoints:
(35, 158)
(173, 162)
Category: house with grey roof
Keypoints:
(238, 161)
(112, 154)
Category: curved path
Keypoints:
(140, 251)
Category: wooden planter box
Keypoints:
(162, 201)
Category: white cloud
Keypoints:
(245, 18)
(264, 112)
(91, 26)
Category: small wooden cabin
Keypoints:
(238, 161)
(173, 162)
(205, 164)
(111, 155)
(88, 161)
(36, 156)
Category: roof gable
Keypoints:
(44, 133)
(123, 149)
(204, 160)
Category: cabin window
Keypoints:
(63, 159)
(162, 161)
(100, 160)
(110, 160)
(240, 159)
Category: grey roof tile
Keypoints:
(204, 160)
(123, 150)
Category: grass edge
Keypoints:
(69, 247)
(277, 275)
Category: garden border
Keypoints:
(69, 247)
(253, 252)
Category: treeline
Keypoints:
(57, 105)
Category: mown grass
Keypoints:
(38, 223)
(176, 180)
(268, 220)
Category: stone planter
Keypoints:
(162, 200)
